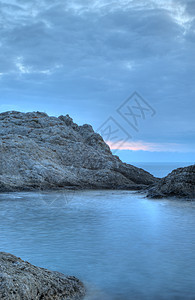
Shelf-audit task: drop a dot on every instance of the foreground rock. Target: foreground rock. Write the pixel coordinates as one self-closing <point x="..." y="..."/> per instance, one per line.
<point x="180" y="182"/>
<point x="41" y="152"/>
<point x="21" y="280"/>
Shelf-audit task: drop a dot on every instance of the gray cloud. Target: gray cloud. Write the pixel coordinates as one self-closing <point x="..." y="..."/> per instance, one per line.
<point x="97" y="52"/>
<point x="59" y="36"/>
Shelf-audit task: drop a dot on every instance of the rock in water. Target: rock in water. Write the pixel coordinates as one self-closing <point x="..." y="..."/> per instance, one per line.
<point x="21" y="280"/>
<point x="180" y="182"/>
<point x="42" y="152"/>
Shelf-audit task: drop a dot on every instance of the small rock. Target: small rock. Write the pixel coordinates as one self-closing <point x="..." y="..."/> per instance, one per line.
<point x="21" y="280"/>
<point x="180" y="182"/>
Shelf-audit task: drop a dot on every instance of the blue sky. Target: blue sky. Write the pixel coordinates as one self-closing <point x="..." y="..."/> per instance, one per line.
<point x="86" y="58"/>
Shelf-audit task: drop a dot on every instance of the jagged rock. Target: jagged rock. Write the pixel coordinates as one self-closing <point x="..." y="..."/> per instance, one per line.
<point x="180" y="182"/>
<point x="21" y="280"/>
<point x="42" y="152"/>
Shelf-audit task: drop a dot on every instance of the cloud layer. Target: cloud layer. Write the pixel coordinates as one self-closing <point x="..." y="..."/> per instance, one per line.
<point x="85" y="57"/>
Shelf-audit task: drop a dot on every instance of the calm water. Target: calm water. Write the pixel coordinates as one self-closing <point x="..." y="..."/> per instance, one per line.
<point x="161" y="169"/>
<point x="122" y="245"/>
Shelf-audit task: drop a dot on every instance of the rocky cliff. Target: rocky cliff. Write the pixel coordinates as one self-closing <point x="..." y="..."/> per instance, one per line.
<point x="180" y="182"/>
<point x="21" y="280"/>
<point x="42" y="152"/>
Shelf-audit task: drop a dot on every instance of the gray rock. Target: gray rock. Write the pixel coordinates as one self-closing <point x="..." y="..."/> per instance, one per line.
<point x="21" y="280"/>
<point x="42" y="152"/>
<point x="180" y="182"/>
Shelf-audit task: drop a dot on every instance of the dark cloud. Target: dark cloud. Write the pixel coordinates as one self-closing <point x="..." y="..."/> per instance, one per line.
<point x="189" y="6"/>
<point x="95" y="54"/>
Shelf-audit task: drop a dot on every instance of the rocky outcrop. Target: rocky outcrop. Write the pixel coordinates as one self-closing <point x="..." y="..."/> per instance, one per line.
<point x="21" y="280"/>
<point x="42" y="152"/>
<point x="180" y="182"/>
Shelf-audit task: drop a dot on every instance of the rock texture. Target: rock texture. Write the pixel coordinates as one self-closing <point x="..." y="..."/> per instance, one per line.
<point x="180" y="182"/>
<point x="21" y="280"/>
<point x="42" y="152"/>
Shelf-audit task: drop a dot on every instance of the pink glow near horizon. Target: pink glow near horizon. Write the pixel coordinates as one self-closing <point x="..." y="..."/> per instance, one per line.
<point x="145" y="146"/>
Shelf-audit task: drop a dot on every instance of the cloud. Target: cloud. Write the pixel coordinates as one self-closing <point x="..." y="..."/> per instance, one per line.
<point x="92" y="54"/>
<point x="73" y="34"/>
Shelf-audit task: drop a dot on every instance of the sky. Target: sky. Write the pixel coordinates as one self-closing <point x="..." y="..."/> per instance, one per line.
<point x="126" y="67"/>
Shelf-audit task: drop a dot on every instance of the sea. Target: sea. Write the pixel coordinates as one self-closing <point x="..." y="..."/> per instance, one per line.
<point x="122" y="245"/>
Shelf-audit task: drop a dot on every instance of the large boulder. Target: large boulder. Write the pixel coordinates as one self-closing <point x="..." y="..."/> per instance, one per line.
<point x="180" y="182"/>
<point x="21" y="280"/>
<point x="42" y="152"/>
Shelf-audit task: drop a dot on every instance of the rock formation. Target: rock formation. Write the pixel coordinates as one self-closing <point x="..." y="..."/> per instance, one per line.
<point x="180" y="182"/>
<point x="21" y="280"/>
<point x="42" y="152"/>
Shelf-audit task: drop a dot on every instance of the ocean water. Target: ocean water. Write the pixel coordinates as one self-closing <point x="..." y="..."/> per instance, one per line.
<point x="122" y="245"/>
<point x="161" y="169"/>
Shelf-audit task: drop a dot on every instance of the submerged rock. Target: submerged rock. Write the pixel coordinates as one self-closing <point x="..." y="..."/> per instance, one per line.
<point x="180" y="182"/>
<point x="21" y="280"/>
<point x="42" y="152"/>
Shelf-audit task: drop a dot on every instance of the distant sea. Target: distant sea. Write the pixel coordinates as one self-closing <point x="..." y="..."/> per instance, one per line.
<point x="160" y="169"/>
